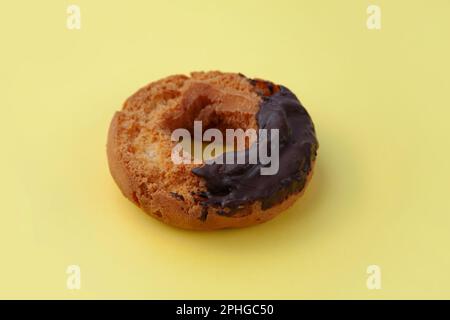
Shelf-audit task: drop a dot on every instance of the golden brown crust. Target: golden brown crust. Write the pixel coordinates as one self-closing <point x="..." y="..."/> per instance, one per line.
<point x="139" y="147"/>
<point x="118" y="171"/>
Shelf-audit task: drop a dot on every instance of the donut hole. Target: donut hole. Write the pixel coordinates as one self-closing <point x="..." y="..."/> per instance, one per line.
<point x="212" y="114"/>
<point x="215" y="108"/>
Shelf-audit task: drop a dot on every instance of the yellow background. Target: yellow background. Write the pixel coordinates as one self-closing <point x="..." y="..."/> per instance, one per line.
<point x="380" y="194"/>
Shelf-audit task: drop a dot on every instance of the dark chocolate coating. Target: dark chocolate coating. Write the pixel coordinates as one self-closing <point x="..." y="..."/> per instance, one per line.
<point x="232" y="186"/>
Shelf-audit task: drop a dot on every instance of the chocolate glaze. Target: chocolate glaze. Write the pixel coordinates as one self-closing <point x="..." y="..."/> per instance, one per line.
<point x="232" y="186"/>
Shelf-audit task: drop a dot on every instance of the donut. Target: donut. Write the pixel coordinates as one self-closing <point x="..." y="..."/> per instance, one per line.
<point x="210" y="195"/>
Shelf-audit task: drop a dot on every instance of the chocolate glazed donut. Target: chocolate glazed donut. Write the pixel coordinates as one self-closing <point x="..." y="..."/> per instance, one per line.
<point x="232" y="186"/>
<point x="210" y="195"/>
